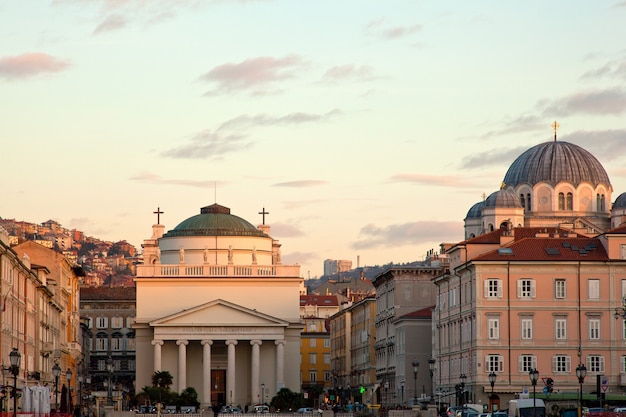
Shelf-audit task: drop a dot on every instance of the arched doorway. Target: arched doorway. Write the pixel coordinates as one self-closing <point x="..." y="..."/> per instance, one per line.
<point x="494" y="402"/>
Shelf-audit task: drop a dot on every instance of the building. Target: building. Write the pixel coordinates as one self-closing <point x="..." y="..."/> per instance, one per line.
<point x="336" y="266"/>
<point x="207" y="309"/>
<point x="537" y="284"/>
<point x="399" y="291"/>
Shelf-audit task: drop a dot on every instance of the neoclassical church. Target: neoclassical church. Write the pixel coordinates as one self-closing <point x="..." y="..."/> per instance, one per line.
<point x="218" y="310"/>
<point x="553" y="184"/>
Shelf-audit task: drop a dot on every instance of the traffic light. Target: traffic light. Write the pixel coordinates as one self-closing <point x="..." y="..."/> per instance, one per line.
<point x="550" y="384"/>
<point x="362" y="389"/>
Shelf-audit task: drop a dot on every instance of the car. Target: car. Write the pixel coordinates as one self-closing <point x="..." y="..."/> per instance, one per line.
<point x="261" y="409"/>
<point x="619" y="410"/>
<point x="304" y="410"/>
<point x="451" y="411"/>
<point x="498" y="414"/>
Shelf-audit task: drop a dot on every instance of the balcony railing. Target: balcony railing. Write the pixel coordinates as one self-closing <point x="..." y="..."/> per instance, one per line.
<point x="217" y="271"/>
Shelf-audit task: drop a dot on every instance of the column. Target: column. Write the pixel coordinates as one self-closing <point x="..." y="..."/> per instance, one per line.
<point x="230" y="372"/>
<point x="157" y="354"/>
<point x="182" y="364"/>
<point x="280" y="364"/>
<point x="205" y="398"/>
<point x="255" y="371"/>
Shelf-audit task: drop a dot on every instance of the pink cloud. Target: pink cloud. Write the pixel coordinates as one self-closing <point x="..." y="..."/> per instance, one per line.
<point x="30" y="65"/>
<point x="110" y="23"/>
<point x="342" y="72"/>
<point x="252" y="72"/>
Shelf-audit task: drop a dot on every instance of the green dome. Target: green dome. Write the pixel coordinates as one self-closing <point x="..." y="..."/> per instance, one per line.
<point x="215" y="220"/>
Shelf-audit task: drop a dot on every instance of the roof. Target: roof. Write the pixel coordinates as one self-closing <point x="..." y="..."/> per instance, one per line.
<point x="556" y="161"/>
<point x="215" y="220"/>
<point x="503" y="199"/>
<point x="319" y="300"/>
<point x="549" y="249"/>
<point x="424" y="313"/>
<point x="620" y="201"/>
<point x="475" y="211"/>
<point x="107" y="293"/>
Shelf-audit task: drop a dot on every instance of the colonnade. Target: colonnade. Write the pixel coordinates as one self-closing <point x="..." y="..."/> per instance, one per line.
<point x="231" y="344"/>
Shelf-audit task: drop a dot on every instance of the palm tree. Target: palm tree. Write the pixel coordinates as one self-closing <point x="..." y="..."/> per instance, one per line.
<point x="162" y="379"/>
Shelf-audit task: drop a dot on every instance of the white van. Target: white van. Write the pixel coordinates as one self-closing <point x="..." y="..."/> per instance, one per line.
<point x="527" y="407"/>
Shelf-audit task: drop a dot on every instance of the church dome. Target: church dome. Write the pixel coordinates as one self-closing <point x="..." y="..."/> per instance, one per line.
<point x="475" y="211"/>
<point x="503" y="199"/>
<point x="556" y="161"/>
<point x="215" y="220"/>
<point x="620" y="202"/>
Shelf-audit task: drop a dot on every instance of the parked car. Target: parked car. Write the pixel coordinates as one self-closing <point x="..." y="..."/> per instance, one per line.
<point x="261" y="409"/>
<point x="304" y="410"/>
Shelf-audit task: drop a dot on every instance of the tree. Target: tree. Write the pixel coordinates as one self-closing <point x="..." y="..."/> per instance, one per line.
<point x="286" y="400"/>
<point x="162" y="379"/>
<point x="189" y="396"/>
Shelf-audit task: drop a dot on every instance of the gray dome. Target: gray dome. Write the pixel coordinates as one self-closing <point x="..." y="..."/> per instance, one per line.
<point x="503" y="199"/>
<point x="620" y="202"/>
<point x="215" y="220"/>
<point x="556" y="161"/>
<point x="475" y="212"/>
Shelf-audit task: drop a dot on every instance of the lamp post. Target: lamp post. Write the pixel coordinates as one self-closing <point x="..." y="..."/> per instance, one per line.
<point x="492" y="380"/>
<point x="262" y="394"/>
<point x="109" y="366"/>
<point x="15" y="358"/>
<point x="581" y="373"/>
<point x="462" y="377"/>
<point x="431" y="370"/>
<point x="56" y="372"/>
<point x="416" y="365"/>
<point x="68" y="375"/>
<point x="534" y="376"/>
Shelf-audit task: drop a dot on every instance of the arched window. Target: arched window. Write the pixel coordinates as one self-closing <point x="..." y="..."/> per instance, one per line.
<point x="117" y="341"/>
<point x="561" y="201"/>
<point x="602" y="207"/>
<point x="528" y="201"/>
<point x="598" y="202"/>
<point x="491" y="227"/>
<point x="570" y="201"/>
<point x="522" y="200"/>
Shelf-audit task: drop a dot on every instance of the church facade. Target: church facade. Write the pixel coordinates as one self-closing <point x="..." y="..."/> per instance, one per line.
<point x="218" y="310"/>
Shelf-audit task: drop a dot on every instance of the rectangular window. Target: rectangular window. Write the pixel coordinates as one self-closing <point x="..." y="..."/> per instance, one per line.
<point x="327" y="358"/>
<point x="560" y="328"/>
<point x="561" y="363"/>
<point x="312" y="376"/>
<point x="526" y="288"/>
<point x="312" y="358"/>
<point x="494" y="363"/>
<point x="624" y="329"/>
<point x="117" y="322"/>
<point x="595" y="363"/>
<point x="312" y="343"/>
<point x="101" y="343"/>
<point x="131" y="364"/>
<point x="116" y="343"/>
<point x="559" y="288"/>
<point x="527" y="328"/>
<point x="493" y="288"/>
<point x="594" y="329"/>
<point x="527" y="363"/>
<point x="101" y="323"/>
<point x="326" y="343"/>
<point x="326" y="375"/>
<point x="493" y="326"/>
<point x="593" y="289"/>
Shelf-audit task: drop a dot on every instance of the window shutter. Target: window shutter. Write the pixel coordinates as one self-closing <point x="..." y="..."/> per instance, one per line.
<point x="534" y="362"/>
<point x="499" y="281"/>
<point x="520" y="363"/>
<point x="533" y="289"/>
<point x="500" y="363"/>
<point x="601" y="363"/>
<point x="554" y="363"/>
<point x="519" y="288"/>
<point x="486" y="288"/>
<point x="487" y="364"/>
<point x="622" y="364"/>
<point x="568" y="364"/>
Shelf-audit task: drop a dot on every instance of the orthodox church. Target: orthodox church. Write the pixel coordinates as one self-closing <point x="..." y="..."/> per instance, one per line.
<point x="553" y="184"/>
<point x="218" y="310"/>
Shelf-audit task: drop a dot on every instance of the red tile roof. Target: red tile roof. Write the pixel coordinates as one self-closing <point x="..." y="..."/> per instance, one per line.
<point x="549" y="249"/>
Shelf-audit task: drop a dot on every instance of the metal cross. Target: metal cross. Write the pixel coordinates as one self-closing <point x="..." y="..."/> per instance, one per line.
<point x="158" y="213"/>
<point x="263" y="212"/>
<point x="555" y="127"/>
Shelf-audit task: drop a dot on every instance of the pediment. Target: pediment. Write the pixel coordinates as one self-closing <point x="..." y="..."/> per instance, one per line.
<point x="219" y="313"/>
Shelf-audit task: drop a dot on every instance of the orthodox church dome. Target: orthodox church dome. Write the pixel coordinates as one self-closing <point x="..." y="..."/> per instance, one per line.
<point x="620" y="202"/>
<point x="215" y="220"/>
<point x="502" y="199"/>
<point x="556" y="161"/>
<point x="475" y="211"/>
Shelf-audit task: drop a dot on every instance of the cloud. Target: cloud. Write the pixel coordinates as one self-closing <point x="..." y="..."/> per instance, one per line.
<point x="382" y="30"/>
<point x="247" y="121"/>
<point x="30" y="65"/>
<point x="151" y="178"/>
<point x="492" y="157"/>
<point x="207" y="144"/>
<point x="299" y="258"/>
<point x="286" y="230"/>
<point x="593" y="102"/>
<point x="525" y="123"/>
<point x="301" y="183"/>
<point x="434" y="180"/>
<point x="606" y="145"/>
<point x="612" y="69"/>
<point x="349" y="71"/>
<point x="252" y="73"/>
<point x="415" y="233"/>
<point x="111" y="23"/>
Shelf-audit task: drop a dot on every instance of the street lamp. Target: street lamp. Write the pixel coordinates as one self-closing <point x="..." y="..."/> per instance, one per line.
<point x="462" y="377"/>
<point x="56" y="372"/>
<point x="68" y="376"/>
<point x="262" y="394"/>
<point x="431" y="370"/>
<point x="534" y="376"/>
<point x="581" y="373"/>
<point x="15" y="358"/>
<point x="492" y="380"/>
<point x="416" y="365"/>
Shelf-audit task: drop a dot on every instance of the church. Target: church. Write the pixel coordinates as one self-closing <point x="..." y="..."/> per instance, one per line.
<point x="218" y="310"/>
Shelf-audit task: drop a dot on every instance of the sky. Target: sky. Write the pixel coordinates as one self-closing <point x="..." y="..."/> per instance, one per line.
<point x="366" y="128"/>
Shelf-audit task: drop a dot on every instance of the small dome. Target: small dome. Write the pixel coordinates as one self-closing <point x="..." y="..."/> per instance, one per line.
<point x="215" y="220"/>
<point x="556" y="161"/>
<point x="503" y="199"/>
<point x="476" y="211"/>
<point x="620" y="202"/>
